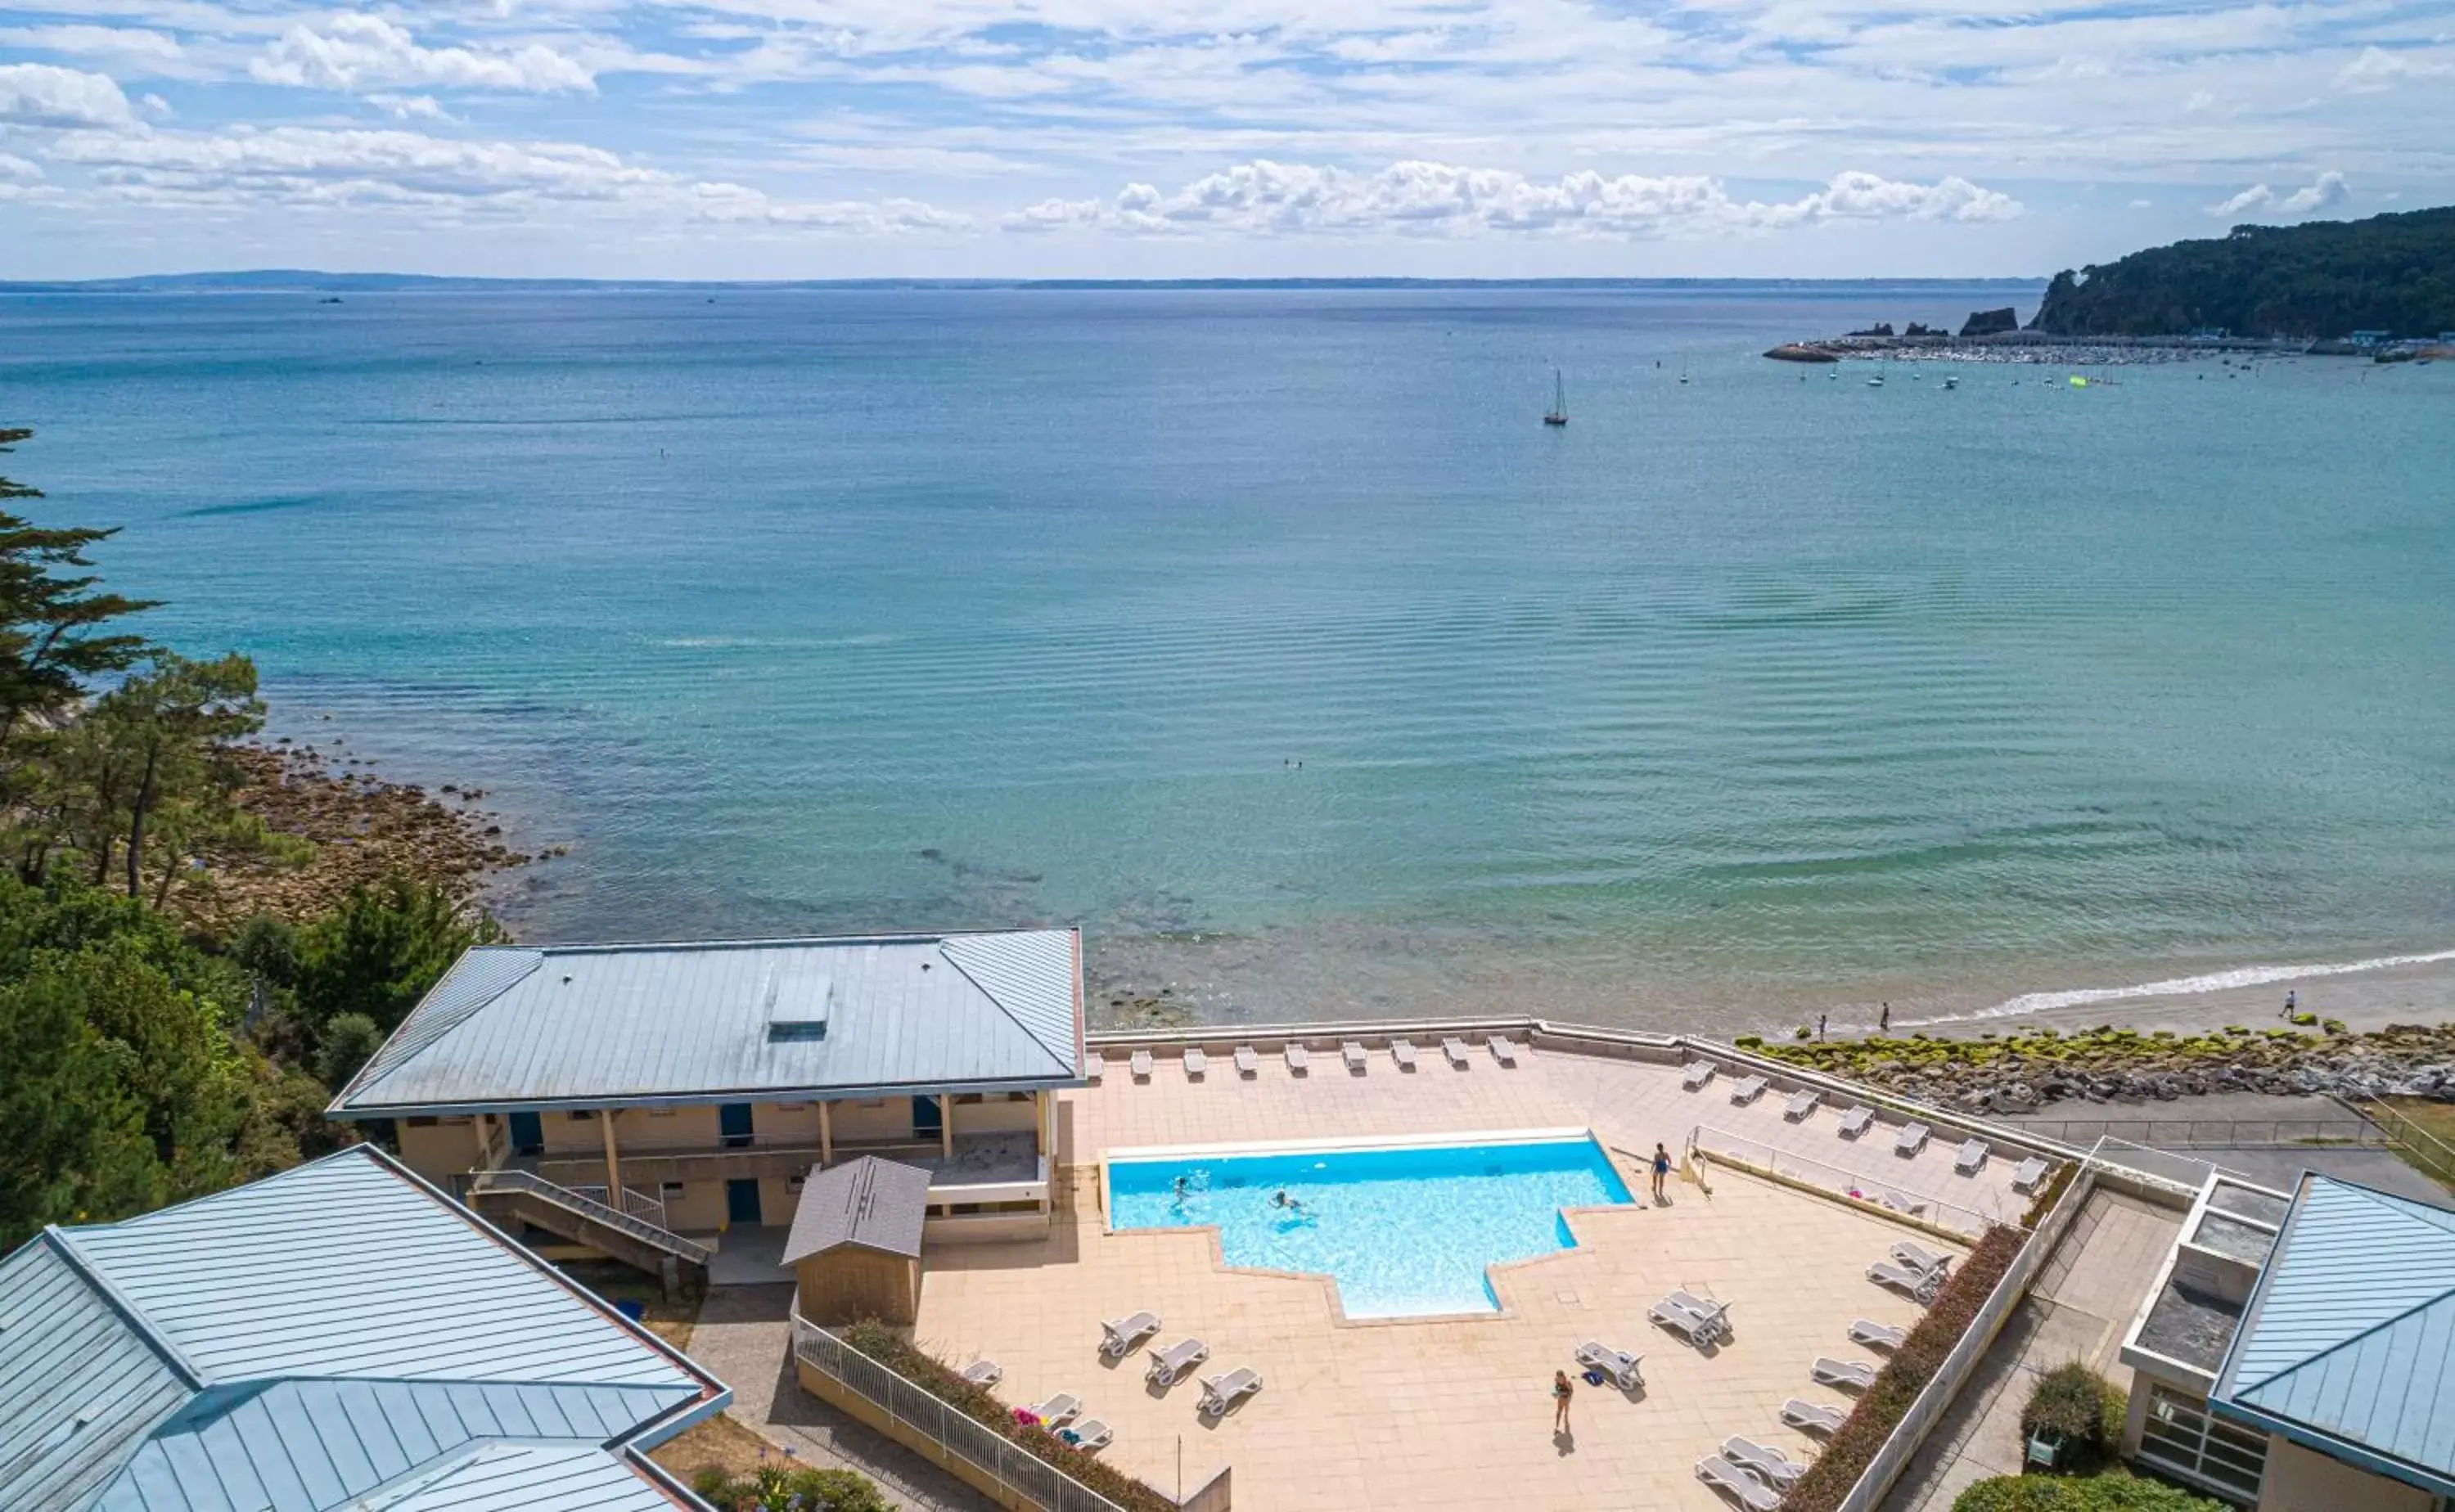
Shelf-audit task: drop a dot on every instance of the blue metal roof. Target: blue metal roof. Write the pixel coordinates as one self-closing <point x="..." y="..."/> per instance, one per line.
<point x="602" y="1025"/>
<point x="2348" y="1343"/>
<point x="340" y="1331"/>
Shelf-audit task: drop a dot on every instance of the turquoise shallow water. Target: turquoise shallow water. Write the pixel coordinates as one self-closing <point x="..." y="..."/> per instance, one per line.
<point x="1402" y="1231"/>
<point x="801" y="611"/>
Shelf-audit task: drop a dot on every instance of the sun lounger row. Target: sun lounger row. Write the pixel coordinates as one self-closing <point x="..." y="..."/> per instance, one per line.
<point x="1913" y="1270"/>
<point x="1625" y="1370"/>
<point x="1299" y="1058"/>
<point x="1875" y="1335"/>
<point x="1857" y="1375"/>
<point x="1737" y="1483"/>
<point x="1058" y="1415"/>
<point x="1698" y="1319"/>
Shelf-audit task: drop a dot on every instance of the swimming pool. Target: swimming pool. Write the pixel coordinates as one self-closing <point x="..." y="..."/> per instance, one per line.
<point x="1403" y="1231"/>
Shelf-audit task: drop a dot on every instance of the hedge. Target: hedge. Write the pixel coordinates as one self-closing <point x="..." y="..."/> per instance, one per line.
<point x="1883" y="1405"/>
<point x="899" y="1354"/>
<point x="773" y="1488"/>
<point x="2115" y="1492"/>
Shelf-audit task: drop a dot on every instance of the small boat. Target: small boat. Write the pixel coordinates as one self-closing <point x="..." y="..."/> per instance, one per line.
<point x="1559" y="411"/>
<point x="1952" y="383"/>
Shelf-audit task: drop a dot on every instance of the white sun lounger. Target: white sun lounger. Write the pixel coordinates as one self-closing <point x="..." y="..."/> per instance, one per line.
<point x="1625" y="1369"/>
<point x="1094" y="1065"/>
<point x="1812" y="1417"/>
<point x="1912" y="1139"/>
<point x="1059" y="1408"/>
<point x="1918" y="1257"/>
<point x="1403" y="1052"/>
<point x="1352" y="1054"/>
<point x="1697" y="1074"/>
<point x="1168" y="1366"/>
<point x="1748" y="1090"/>
<point x="1119" y="1335"/>
<point x="1455" y="1049"/>
<point x="1693" y="1318"/>
<point x="1855" y="1373"/>
<point x="1248" y="1063"/>
<point x="1219" y="1393"/>
<point x="1900" y="1203"/>
<point x="1142" y="1064"/>
<point x="1920" y="1284"/>
<point x="1742" y="1487"/>
<point x="1196" y="1063"/>
<point x="2026" y="1175"/>
<point x="1089" y="1435"/>
<point x="1764" y="1460"/>
<point x="983" y="1373"/>
<point x="1970" y="1157"/>
<point x="1856" y="1122"/>
<point x="1802" y="1102"/>
<point x="1502" y="1050"/>
<point x="1875" y="1335"/>
<point x="1297" y="1060"/>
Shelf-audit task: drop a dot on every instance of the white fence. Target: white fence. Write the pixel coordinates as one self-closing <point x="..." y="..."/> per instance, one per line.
<point x="1883" y="1189"/>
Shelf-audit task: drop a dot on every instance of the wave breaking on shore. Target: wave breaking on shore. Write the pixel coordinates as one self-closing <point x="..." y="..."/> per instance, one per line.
<point x="2036" y="1002"/>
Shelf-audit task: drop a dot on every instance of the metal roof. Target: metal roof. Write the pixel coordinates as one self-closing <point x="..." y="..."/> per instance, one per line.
<point x="2349" y="1343"/>
<point x="878" y="1204"/>
<point x="604" y="1025"/>
<point x="335" y="1332"/>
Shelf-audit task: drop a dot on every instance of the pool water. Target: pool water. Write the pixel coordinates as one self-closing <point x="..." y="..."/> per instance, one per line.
<point x="1403" y="1232"/>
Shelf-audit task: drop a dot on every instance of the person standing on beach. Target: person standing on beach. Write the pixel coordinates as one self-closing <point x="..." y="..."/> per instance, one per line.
<point x="2292" y="1002"/>
<point x="1561" y="1392"/>
<point x="1661" y="1168"/>
<point x="1819" y="1026"/>
<point x="1884" y="1024"/>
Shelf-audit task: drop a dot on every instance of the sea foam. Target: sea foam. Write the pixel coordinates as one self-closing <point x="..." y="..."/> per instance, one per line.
<point x="2212" y="982"/>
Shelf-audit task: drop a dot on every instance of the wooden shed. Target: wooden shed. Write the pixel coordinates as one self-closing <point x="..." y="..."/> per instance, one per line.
<point x="855" y="1247"/>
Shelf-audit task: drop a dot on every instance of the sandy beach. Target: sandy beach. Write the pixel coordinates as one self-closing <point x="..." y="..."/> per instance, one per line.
<point x="2416" y="992"/>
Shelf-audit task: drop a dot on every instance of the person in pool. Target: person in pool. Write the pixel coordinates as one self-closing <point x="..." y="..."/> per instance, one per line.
<point x="1280" y="1198"/>
<point x="1182" y="1187"/>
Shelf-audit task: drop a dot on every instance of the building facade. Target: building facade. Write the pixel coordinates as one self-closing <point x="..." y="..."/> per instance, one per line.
<point x="704" y="1082"/>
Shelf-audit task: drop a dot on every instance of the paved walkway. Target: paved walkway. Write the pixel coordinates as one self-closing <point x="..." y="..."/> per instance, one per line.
<point x="2079" y="1309"/>
<point x="743" y="1335"/>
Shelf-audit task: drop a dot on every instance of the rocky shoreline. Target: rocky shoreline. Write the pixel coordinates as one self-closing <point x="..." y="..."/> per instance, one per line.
<point x="356" y="827"/>
<point x="2021" y="1073"/>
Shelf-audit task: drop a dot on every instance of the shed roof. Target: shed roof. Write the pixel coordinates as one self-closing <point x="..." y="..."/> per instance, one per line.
<point x="335" y="1332"/>
<point x="607" y="1025"/>
<point x="875" y="1203"/>
<point x="2349" y="1343"/>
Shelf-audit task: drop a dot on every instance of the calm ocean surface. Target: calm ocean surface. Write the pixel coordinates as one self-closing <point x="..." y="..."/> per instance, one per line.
<point x="1735" y="700"/>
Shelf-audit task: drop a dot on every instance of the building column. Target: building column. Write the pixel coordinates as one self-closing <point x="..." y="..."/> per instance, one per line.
<point x="946" y="1124"/>
<point x="1044" y="1117"/>
<point x="612" y="1162"/>
<point x="826" y="1134"/>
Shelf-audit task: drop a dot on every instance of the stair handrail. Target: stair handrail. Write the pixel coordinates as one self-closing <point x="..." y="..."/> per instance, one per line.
<point x="590" y="1208"/>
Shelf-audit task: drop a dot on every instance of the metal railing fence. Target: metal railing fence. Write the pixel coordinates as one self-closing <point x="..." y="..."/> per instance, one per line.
<point x="916" y="1409"/>
<point x="590" y="1208"/>
<point x="1867" y="1186"/>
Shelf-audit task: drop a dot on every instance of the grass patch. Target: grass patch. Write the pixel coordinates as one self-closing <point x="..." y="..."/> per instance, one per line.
<point x="721" y="1444"/>
<point x="1829" y="1480"/>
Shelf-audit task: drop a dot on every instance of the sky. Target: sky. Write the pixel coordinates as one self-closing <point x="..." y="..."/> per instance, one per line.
<point x="1199" y="138"/>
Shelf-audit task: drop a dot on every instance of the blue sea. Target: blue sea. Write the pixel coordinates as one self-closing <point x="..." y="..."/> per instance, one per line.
<point x="1271" y="636"/>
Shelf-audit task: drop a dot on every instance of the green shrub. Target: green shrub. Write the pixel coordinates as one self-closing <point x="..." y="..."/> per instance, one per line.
<point x="2070" y="1400"/>
<point x="774" y="1488"/>
<point x="2112" y="1492"/>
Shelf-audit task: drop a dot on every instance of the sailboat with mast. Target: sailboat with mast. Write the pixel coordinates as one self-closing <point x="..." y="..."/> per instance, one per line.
<point x="1558" y="414"/>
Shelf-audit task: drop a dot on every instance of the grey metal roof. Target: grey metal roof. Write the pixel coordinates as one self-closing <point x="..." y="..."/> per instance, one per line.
<point x="875" y="1203"/>
<point x="2349" y="1343"/>
<point x="596" y="1025"/>
<point x="335" y="1332"/>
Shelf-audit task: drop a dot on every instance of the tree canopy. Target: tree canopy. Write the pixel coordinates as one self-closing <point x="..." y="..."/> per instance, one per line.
<point x="2394" y="274"/>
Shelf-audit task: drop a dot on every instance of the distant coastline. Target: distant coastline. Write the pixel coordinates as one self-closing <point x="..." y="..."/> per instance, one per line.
<point x="290" y="280"/>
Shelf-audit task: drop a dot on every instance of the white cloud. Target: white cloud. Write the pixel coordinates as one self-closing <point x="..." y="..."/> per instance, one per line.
<point x="2377" y="69"/>
<point x="110" y="42"/>
<point x="38" y="94"/>
<point x="363" y="51"/>
<point x="17" y="169"/>
<point x="2324" y="192"/>
<point x="411" y="107"/>
<point x="1442" y="199"/>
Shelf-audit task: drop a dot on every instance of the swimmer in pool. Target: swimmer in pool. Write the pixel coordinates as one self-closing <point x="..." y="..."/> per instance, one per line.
<point x="1280" y="1198"/>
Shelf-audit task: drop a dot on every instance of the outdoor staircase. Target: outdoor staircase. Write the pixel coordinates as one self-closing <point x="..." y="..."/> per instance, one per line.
<point x="511" y="1199"/>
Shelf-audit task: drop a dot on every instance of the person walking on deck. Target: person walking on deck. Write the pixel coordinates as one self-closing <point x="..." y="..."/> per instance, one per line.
<point x="1661" y="1168"/>
<point x="1561" y="1392"/>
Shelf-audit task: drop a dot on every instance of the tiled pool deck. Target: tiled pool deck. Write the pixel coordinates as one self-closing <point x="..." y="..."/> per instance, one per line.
<point x="1447" y="1413"/>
